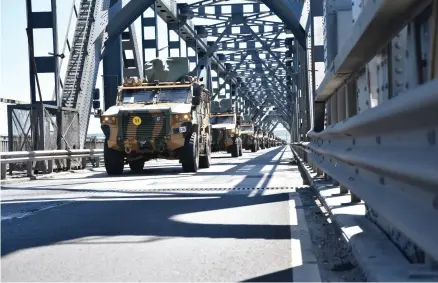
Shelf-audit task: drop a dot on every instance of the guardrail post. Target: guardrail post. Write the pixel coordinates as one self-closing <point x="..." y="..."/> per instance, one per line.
<point x="69" y="162"/>
<point x="320" y="172"/>
<point x="29" y="170"/>
<point x="3" y="172"/>
<point x="49" y="166"/>
<point x="355" y="198"/>
<point x="343" y="190"/>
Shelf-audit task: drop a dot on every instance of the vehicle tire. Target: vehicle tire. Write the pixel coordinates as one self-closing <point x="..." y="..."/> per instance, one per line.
<point x="113" y="159"/>
<point x="234" y="150"/>
<point x="190" y="154"/>
<point x="136" y="166"/>
<point x="205" y="161"/>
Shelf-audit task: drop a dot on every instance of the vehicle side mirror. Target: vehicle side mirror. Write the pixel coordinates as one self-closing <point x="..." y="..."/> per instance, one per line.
<point x="196" y="100"/>
<point x="238" y="120"/>
<point x="196" y="90"/>
<point x="96" y="104"/>
<point x="96" y="94"/>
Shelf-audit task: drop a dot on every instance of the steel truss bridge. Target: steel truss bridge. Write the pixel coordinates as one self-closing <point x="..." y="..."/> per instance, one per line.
<point x="354" y="82"/>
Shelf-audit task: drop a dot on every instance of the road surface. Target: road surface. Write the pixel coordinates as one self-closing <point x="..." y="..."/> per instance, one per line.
<point x="239" y="220"/>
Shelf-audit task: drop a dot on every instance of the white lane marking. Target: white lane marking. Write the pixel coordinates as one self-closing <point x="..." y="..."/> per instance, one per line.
<point x="303" y="261"/>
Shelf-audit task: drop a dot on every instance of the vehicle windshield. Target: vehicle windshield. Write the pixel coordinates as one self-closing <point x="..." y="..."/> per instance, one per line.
<point x="137" y="96"/>
<point x="246" y="128"/>
<point x="178" y="95"/>
<point x="222" y="120"/>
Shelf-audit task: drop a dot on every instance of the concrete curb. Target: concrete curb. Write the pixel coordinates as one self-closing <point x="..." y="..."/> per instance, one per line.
<point x="379" y="259"/>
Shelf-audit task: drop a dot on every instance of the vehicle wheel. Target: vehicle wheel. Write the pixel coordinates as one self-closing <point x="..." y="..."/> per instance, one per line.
<point x="136" y="166"/>
<point x="234" y="150"/>
<point x="114" y="160"/>
<point x="205" y="161"/>
<point x="190" y="154"/>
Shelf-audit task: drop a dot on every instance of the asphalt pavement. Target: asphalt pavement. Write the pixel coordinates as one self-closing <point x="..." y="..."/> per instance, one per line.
<point x="239" y="220"/>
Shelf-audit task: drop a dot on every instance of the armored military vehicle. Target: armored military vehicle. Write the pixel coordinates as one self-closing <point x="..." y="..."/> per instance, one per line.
<point x="259" y="134"/>
<point x="265" y="139"/>
<point x="225" y="125"/>
<point x="248" y="134"/>
<point x="164" y="116"/>
<point x="271" y="140"/>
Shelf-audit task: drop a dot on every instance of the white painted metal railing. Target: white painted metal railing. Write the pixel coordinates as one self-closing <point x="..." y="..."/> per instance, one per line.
<point x="388" y="157"/>
<point x="29" y="157"/>
<point x="379" y="138"/>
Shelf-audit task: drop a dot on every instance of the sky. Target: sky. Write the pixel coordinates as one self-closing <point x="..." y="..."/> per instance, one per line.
<point x="14" y="77"/>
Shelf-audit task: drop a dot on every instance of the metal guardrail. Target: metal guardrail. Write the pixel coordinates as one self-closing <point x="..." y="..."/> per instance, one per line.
<point x="90" y="142"/>
<point x="388" y="157"/>
<point x="29" y="157"/>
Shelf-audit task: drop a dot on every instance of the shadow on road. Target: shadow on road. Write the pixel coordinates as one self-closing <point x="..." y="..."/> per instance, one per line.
<point x="142" y="216"/>
<point x="150" y="214"/>
<point x="285" y="275"/>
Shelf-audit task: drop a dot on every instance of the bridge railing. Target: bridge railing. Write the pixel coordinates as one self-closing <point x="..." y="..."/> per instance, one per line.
<point x="376" y="123"/>
<point x="388" y="157"/>
<point x="90" y="142"/>
<point x="29" y="158"/>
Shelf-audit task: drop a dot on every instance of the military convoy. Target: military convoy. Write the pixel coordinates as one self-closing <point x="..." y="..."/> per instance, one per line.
<point x="169" y="115"/>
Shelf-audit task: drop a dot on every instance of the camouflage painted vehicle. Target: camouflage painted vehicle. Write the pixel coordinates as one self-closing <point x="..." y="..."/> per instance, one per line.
<point x="271" y="141"/>
<point x="265" y="139"/>
<point x="259" y="135"/>
<point x="249" y="137"/>
<point x="166" y="119"/>
<point x="226" y="131"/>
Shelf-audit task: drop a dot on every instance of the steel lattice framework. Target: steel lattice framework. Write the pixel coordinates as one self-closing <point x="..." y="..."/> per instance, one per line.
<point x="253" y="52"/>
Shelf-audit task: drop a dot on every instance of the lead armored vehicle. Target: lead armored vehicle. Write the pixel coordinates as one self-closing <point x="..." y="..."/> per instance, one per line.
<point x="164" y="116"/>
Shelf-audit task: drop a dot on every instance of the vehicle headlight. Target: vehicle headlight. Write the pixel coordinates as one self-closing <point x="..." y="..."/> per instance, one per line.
<point x="109" y="120"/>
<point x="183" y="117"/>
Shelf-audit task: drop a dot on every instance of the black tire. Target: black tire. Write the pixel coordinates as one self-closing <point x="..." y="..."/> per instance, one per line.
<point x="190" y="154"/>
<point x="136" y="166"/>
<point x="114" y="160"/>
<point x="205" y="161"/>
